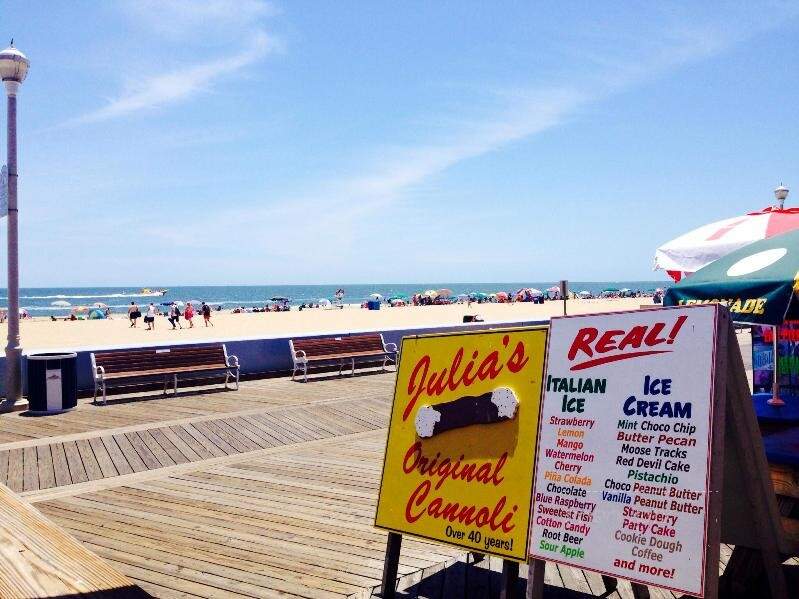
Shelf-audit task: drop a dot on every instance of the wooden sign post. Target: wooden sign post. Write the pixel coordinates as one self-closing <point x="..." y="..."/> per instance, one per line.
<point x="649" y="453"/>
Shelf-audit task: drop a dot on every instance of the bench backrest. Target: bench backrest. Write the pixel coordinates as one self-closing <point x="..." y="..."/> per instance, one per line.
<point x="340" y="345"/>
<point x="158" y="358"/>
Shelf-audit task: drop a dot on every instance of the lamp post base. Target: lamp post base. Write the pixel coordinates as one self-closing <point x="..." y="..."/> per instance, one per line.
<point x="776" y="401"/>
<point x="13" y="390"/>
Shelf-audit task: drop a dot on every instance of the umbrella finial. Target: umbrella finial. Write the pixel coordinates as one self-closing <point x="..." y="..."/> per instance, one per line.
<point x="780" y="194"/>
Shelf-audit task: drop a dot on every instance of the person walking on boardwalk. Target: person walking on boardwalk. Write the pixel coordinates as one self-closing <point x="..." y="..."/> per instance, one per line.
<point x="149" y="320"/>
<point x="174" y="316"/>
<point x="206" y="310"/>
<point x="188" y="314"/>
<point x="134" y="313"/>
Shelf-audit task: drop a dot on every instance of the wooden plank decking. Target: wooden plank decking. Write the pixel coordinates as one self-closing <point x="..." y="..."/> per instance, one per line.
<point x="266" y="492"/>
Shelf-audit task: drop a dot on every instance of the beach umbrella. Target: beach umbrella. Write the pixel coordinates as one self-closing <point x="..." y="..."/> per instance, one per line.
<point x="278" y="299"/>
<point x="398" y="296"/>
<point x="324" y="303"/>
<point x="80" y="310"/>
<point x="478" y="295"/>
<point x="693" y="250"/>
<point x="553" y="289"/>
<point x="96" y="314"/>
<point x="535" y="292"/>
<point x="758" y="283"/>
<point x="584" y="294"/>
<point x="376" y="297"/>
<point x="444" y="292"/>
<point x="60" y="304"/>
<point x="502" y="296"/>
<point x="99" y="305"/>
<point x="430" y="293"/>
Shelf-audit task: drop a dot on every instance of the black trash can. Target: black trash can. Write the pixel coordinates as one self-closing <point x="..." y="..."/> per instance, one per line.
<point x="52" y="382"/>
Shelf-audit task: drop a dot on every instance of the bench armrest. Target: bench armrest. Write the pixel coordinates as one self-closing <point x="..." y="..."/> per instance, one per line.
<point x="299" y="355"/>
<point x="99" y="372"/>
<point x="232" y="362"/>
<point x="391" y="347"/>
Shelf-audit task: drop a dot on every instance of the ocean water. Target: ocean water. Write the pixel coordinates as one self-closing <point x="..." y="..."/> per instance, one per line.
<point x="38" y="301"/>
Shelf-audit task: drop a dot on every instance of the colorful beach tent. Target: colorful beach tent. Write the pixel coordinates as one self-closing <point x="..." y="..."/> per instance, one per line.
<point x="96" y="314"/>
<point x="698" y="248"/>
<point x="757" y="282"/>
<point x="376" y="297"/>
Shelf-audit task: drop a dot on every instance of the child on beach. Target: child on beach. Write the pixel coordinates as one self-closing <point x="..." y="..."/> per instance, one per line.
<point x="206" y="310"/>
<point x="188" y="314"/>
<point x="149" y="320"/>
<point x="134" y="314"/>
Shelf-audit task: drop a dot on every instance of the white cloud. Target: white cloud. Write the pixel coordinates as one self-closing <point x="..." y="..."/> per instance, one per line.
<point x="180" y="85"/>
<point x="333" y="216"/>
<point x="181" y="19"/>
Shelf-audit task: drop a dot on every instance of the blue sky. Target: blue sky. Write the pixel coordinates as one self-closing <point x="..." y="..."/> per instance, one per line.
<point x="239" y="141"/>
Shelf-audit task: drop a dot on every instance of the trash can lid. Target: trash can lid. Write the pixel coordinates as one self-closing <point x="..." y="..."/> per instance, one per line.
<point x="52" y="356"/>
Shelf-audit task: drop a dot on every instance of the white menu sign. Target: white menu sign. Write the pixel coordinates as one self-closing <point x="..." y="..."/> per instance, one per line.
<point x="621" y="481"/>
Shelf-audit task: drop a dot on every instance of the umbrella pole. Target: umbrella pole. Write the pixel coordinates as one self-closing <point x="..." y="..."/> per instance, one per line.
<point x="776" y="400"/>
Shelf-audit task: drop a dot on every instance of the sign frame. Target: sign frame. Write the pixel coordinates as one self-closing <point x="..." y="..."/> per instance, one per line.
<point x="736" y="460"/>
<point x="542" y="330"/>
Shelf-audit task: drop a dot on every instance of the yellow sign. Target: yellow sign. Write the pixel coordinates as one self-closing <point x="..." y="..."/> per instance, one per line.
<point x="462" y="439"/>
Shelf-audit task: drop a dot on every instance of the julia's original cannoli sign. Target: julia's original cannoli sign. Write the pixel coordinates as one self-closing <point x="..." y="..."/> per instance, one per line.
<point x="461" y="443"/>
<point x="621" y="484"/>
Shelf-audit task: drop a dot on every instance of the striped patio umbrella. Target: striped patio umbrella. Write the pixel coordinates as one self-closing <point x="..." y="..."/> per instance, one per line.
<point x="758" y="283"/>
<point x="698" y="248"/>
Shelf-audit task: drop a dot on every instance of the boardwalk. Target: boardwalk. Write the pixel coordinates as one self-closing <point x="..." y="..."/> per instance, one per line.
<point x="265" y="492"/>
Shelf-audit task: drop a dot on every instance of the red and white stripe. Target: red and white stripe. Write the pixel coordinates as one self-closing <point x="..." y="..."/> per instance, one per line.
<point x="690" y="252"/>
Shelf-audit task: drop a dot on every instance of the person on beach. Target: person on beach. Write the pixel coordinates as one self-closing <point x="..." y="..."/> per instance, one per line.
<point x="149" y="320"/>
<point x="134" y="314"/>
<point x="188" y="314"/>
<point x="206" y="310"/>
<point x="174" y="316"/>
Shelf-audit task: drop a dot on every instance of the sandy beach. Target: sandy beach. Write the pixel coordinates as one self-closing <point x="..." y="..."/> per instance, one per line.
<point x="38" y="334"/>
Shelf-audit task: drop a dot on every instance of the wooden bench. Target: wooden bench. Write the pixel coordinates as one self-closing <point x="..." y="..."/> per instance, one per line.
<point x="128" y="366"/>
<point x="39" y="559"/>
<point x="362" y="348"/>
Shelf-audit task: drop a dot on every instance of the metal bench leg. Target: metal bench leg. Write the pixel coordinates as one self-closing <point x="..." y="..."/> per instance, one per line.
<point x="166" y="382"/>
<point x="353" y="367"/>
<point x="94" y="399"/>
<point x="238" y="372"/>
<point x="104" y="397"/>
<point x="227" y="376"/>
<point x="305" y="372"/>
<point x="175" y="387"/>
<point x="294" y="372"/>
<point x="385" y="361"/>
<point x="340" y="366"/>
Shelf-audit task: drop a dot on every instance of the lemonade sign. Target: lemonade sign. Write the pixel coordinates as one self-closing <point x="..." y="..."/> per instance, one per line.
<point x="461" y="444"/>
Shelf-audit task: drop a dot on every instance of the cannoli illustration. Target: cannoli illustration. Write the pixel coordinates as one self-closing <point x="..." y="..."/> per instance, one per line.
<point x="488" y="408"/>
